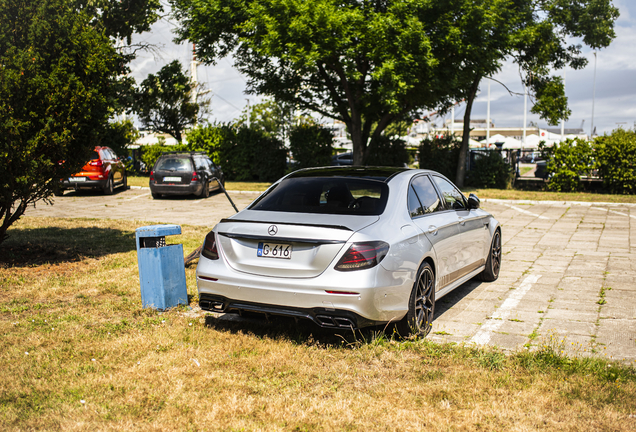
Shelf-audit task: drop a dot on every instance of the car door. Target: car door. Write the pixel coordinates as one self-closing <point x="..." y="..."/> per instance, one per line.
<point x="215" y="173"/>
<point x="439" y="225"/>
<point x="203" y="169"/>
<point x="471" y="226"/>
<point x="116" y="166"/>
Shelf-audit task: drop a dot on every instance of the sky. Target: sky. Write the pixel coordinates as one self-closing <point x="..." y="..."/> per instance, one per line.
<point x="614" y="101"/>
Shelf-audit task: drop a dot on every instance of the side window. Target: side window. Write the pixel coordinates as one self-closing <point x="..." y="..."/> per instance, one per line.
<point x="427" y="194"/>
<point x="415" y="207"/>
<point x="454" y="198"/>
<point x="113" y="156"/>
<point x="200" y="163"/>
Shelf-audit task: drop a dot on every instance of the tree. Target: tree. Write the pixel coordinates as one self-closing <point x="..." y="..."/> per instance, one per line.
<point x="366" y="63"/>
<point x="537" y="35"/>
<point x="61" y="80"/>
<point x="164" y="101"/>
<point x="57" y="75"/>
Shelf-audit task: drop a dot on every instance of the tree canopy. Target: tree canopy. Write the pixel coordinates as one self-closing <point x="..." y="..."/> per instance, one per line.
<point x="60" y="83"/>
<point x="164" y="101"/>
<point x="540" y="36"/>
<point x="372" y="63"/>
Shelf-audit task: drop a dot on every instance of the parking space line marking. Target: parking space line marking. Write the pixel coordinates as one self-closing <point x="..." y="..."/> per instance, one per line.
<point x="483" y="336"/>
<point x="138" y="196"/>
<point x="613" y="211"/>
<point x="525" y="211"/>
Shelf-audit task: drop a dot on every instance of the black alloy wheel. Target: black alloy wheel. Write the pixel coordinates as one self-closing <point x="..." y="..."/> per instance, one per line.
<point x="206" y="190"/>
<point x="493" y="262"/>
<point x="419" y="318"/>
<point x="108" y="189"/>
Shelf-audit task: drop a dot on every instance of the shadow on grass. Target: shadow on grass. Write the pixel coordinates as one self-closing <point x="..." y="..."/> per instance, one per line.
<point x="35" y="246"/>
<point x="300" y="331"/>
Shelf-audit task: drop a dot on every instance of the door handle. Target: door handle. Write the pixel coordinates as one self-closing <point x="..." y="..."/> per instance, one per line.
<point x="432" y="229"/>
<point x="461" y="221"/>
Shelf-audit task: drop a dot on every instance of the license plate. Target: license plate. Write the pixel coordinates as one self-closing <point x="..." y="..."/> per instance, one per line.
<point x="172" y="179"/>
<point x="77" y="179"/>
<point x="274" y="250"/>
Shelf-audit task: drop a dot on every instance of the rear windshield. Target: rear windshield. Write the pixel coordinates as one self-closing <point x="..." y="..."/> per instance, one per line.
<point x="326" y="195"/>
<point x="174" y="164"/>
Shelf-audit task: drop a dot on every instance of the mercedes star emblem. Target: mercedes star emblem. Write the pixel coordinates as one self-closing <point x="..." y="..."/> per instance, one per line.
<point x="272" y="230"/>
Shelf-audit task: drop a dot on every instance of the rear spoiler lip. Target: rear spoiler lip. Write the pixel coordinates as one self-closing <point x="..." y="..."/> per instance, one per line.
<point x="280" y="239"/>
<point x="340" y="227"/>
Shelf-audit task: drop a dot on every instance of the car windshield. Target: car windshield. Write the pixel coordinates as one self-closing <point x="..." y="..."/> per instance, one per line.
<point x="174" y="164"/>
<point x="326" y="195"/>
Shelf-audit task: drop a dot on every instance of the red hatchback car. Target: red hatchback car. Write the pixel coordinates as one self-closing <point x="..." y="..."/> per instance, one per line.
<point x="104" y="171"/>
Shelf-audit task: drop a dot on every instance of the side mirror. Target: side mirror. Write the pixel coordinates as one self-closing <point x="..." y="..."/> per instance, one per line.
<point x="473" y="201"/>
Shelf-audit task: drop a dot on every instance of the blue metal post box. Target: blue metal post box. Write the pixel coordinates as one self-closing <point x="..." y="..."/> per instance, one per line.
<point x="161" y="269"/>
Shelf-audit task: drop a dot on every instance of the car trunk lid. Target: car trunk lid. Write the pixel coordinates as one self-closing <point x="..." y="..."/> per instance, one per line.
<point x="277" y="244"/>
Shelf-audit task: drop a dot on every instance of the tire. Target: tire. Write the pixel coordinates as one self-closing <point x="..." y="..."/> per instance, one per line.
<point x="421" y="308"/>
<point x="155" y="195"/>
<point x="58" y="192"/>
<point x="108" y="189"/>
<point x="493" y="262"/>
<point x="124" y="183"/>
<point x="206" y="190"/>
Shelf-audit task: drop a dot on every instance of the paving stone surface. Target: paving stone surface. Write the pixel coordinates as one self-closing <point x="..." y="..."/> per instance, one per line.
<point x="568" y="273"/>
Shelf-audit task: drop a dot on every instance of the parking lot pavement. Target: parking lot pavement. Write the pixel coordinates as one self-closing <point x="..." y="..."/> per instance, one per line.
<point x="568" y="271"/>
<point x="568" y="279"/>
<point x="138" y="205"/>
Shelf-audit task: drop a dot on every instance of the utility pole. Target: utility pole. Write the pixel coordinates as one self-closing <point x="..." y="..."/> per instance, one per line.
<point x="563" y="119"/>
<point x="453" y="120"/>
<point x="593" y="97"/>
<point x="488" y="117"/>
<point x="525" y="112"/>
<point x="248" y="113"/>
<point x="193" y="74"/>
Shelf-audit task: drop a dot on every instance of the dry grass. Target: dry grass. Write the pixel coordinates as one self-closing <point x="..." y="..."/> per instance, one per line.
<point x="73" y="305"/>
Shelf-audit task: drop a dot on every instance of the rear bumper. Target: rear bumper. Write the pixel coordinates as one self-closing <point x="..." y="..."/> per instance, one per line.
<point x="175" y="189"/>
<point x="368" y="297"/>
<point x="323" y="317"/>
<point x="88" y="184"/>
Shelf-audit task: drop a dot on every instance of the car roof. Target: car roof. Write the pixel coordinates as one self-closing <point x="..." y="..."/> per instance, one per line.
<point x="383" y="174"/>
<point x="184" y="153"/>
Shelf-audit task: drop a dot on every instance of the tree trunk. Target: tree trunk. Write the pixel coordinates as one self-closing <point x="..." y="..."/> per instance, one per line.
<point x="463" y="150"/>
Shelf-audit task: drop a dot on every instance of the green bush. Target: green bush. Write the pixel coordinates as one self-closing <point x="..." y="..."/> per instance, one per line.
<point x="311" y="145"/>
<point x="249" y="154"/>
<point x="616" y="160"/>
<point x="386" y="152"/>
<point x="566" y="162"/>
<point x="441" y="155"/>
<point x="150" y="154"/>
<point x="208" y="139"/>
<point x="491" y="171"/>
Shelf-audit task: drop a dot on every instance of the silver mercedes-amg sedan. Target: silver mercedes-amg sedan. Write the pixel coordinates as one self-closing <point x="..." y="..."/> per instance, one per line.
<point x="350" y="247"/>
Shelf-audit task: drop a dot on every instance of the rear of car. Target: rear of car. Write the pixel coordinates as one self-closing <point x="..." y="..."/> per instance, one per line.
<point x="306" y="249"/>
<point x="103" y="171"/>
<point x="184" y="174"/>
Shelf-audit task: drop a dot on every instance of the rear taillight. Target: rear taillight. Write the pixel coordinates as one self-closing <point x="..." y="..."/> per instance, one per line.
<point x="362" y="256"/>
<point x="195" y="177"/>
<point x="152" y="176"/>
<point x="96" y="162"/>
<point x="209" y="247"/>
